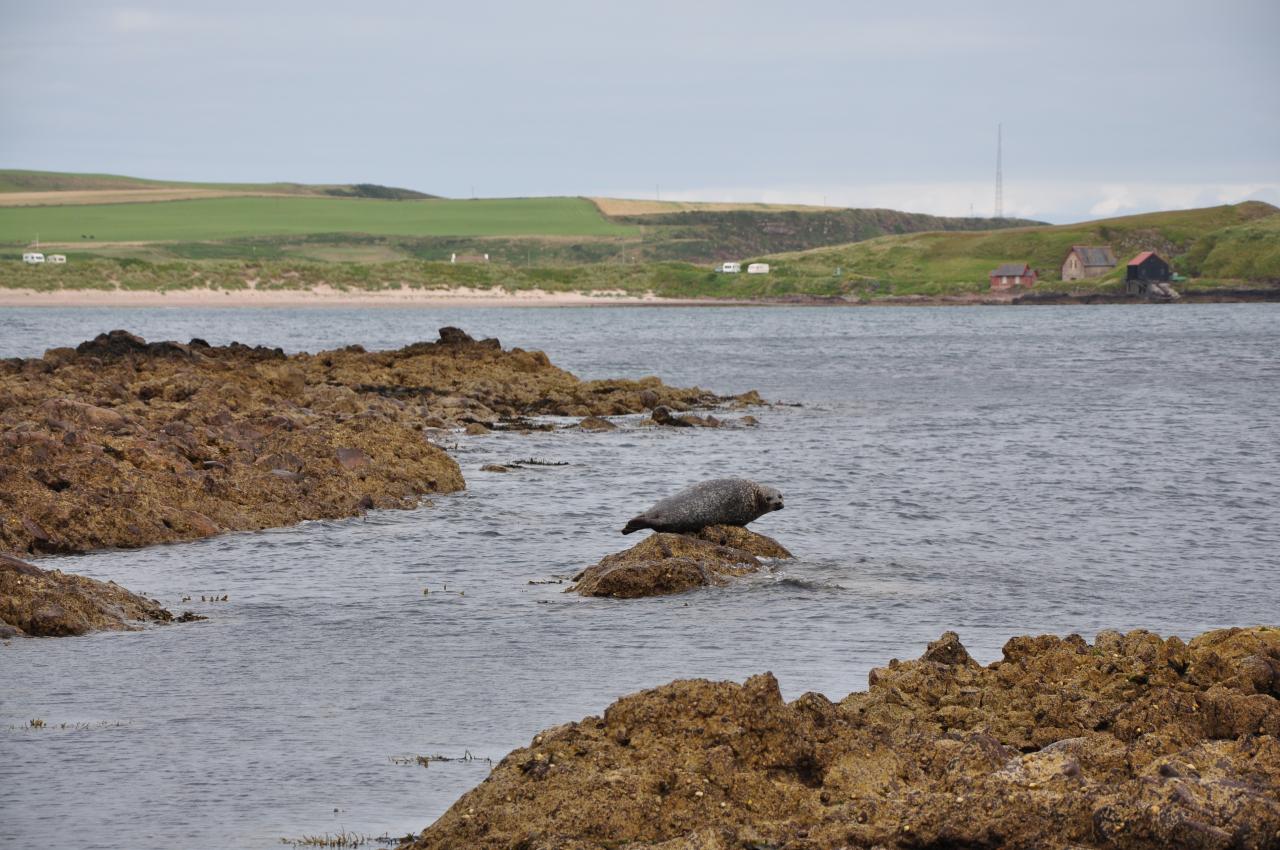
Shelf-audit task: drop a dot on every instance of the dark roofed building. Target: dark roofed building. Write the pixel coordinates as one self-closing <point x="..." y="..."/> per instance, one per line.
<point x="1009" y="275"/>
<point x="1144" y="270"/>
<point x="1085" y="261"/>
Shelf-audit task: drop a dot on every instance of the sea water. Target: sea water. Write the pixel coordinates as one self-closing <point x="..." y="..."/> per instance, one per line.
<point x="996" y="471"/>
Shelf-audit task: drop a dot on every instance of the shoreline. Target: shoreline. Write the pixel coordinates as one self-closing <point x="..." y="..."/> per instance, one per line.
<point x="327" y="296"/>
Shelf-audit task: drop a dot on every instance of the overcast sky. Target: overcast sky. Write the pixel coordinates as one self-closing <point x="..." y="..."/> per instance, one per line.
<point x="1108" y="107"/>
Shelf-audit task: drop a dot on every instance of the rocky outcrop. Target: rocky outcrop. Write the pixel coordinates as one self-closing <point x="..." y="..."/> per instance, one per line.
<point x="1131" y="742"/>
<point x="121" y="442"/>
<point x="51" y="603"/>
<point x="663" y="564"/>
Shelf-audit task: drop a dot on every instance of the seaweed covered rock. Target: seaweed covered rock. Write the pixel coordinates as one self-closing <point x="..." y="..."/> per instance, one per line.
<point x="663" y="564"/>
<point x="121" y="442"/>
<point x="51" y="603"/>
<point x="1132" y="742"/>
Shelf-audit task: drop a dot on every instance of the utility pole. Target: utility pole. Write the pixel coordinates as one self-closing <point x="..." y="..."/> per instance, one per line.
<point x="999" y="171"/>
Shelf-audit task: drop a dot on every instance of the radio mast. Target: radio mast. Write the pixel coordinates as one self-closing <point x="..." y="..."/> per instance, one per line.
<point x="999" y="171"/>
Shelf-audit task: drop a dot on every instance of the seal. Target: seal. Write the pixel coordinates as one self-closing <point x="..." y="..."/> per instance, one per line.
<point x="721" y="501"/>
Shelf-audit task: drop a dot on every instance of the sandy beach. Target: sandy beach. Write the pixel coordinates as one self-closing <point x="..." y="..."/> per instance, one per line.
<point x="329" y="296"/>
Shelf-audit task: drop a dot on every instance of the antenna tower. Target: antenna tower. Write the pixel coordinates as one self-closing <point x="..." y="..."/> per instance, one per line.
<point x="999" y="171"/>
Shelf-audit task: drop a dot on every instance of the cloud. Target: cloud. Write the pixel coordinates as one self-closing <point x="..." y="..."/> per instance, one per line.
<point x="137" y="20"/>
<point x="133" y="20"/>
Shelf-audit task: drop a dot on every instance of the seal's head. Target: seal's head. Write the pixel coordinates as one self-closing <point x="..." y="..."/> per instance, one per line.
<point x="768" y="499"/>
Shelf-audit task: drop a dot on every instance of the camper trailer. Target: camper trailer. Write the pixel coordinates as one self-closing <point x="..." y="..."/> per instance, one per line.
<point x="57" y="259"/>
<point x="758" y="268"/>
<point x="33" y="257"/>
<point x="729" y="268"/>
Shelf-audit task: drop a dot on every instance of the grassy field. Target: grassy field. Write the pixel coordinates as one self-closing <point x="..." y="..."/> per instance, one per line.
<point x="297" y="240"/>
<point x="110" y="216"/>
<point x="230" y="218"/>
<point x="1240" y="241"/>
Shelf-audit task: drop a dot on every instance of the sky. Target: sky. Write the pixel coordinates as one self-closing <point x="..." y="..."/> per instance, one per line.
<point x="1107" y="108"/>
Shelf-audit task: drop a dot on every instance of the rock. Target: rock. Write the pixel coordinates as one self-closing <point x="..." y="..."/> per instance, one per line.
<point x="663" y="564"/>
<point x="495" y="467"/>
<point x="455" y="336"/>
<point x="353" y="459"/>
<point x="50" y="603"/>
<point x="596" y="423"/>
<point x="937" y="753"/>
<point x="662" y="416"/>
<point x="113" y="344"/>
<point x="458" y="337"/>
<point x="738" y="537"/>
<point x="475" y="429"/>
<point x="948" y="650"/>
<point x="59" y="410"/>
<point x="124" y="442"/>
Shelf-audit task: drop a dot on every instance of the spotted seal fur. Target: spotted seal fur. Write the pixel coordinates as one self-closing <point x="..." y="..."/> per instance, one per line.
<point x="721" y="501"/>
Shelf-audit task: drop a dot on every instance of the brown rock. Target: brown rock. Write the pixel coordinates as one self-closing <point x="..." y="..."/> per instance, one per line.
<point x="495" y="467"/>
<point x="475" y="429"/>
<point x="596" y="423"/>
<point x="737" y="537"/>
<point x="663" y="564"/>
<point x="662" y="416"/>
<point x="353" y="459"/>
<point x="935" y="754"/>
<point x="125" y="443"/>
<point x="50" y="603"/>
<point x="59" y="410"/>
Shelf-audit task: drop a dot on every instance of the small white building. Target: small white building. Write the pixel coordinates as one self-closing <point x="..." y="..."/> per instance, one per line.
<point x="33" y="258"/>
<point x="57" y="259"/>
<point x="729" y="268"/>
<point x="758" y="268"/>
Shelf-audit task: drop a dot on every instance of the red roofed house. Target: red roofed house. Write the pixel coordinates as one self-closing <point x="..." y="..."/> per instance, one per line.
<point x="1143" y="270"/>
<point x="1009" y="275"/>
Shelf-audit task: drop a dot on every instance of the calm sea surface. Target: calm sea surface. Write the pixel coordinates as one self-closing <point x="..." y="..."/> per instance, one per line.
<point x="997" y="471"/>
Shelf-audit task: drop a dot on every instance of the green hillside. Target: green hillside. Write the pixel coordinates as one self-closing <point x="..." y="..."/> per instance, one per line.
<point x="1247" y="251"/>
<point x="709" y="235"/>
<point x="1239" y="241"/>
<point x="230" y="218"/>
<point x="104" y="215"/>
<point x="14" y="180"/>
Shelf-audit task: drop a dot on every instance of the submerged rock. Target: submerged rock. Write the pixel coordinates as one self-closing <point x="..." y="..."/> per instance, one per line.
<point x="51" y="603"/>
<point x="1134" y="743"/>
<point x="596" y="423"/>
<point x="663" y="416"/>
<point x="663" y="564"/>
<point x="123" y="443"/>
